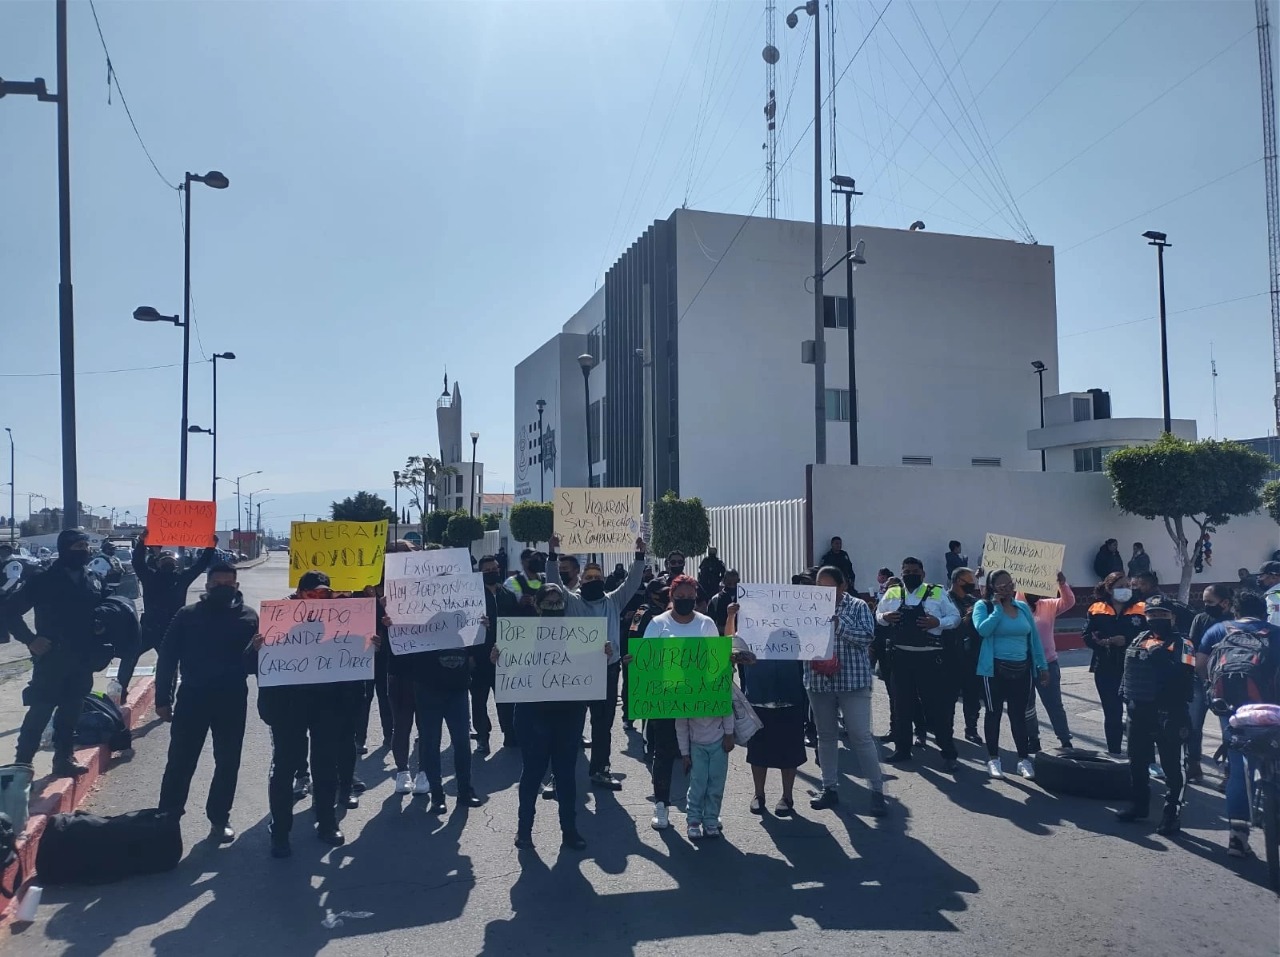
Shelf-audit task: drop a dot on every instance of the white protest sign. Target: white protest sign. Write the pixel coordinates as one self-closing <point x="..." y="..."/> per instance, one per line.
<point x="429" y="564"/>
<point x="786" y="622"/>
<point x="597" y="519"/>
<point x="316" y="641"/>
<point x="431" y="614"/>
<point x="1033" y="565"/>
<point x="551" y="659"/>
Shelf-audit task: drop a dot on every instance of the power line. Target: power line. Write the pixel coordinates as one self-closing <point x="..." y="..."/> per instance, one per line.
<point x="46" y="375"/>
<point x="1174" y="312"/>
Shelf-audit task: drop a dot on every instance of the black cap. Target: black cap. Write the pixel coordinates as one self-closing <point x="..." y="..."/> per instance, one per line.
<point x="1161" y="602"/>
<point x="69" y="537"/>
<point x="312" y="580"/>
<point x="1270" y="568"/>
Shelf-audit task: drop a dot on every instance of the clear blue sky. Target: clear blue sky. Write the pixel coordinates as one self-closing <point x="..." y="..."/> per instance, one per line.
<point x="416" y="185"/>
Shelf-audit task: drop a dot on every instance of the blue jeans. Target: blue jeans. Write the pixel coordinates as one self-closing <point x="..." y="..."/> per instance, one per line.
<point x="1237" y="793"/>
<point x="1051" y="697"/>
<point x="451" y="708"/>
<point x="549" y="734"/>
<point x="706" y="783"/>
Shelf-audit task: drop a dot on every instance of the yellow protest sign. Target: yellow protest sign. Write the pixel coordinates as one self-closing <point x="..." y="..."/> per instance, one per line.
<point x="350" y="553"/>
<point x="597" y="519"/>
<point x="1033" y="565"/>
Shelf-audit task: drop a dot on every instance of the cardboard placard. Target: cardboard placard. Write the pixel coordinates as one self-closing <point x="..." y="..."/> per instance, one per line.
<point x="551" y="659"/>
<point x="429" y="564"/>
<point x="597" y="519"/>
<point x="680" y="678"/>
<point x="316" y="642"/>
<point x="431" y="614"/>
<point x="1033" y="565"/>
<point x="786" y="622"/>
<point x="183" y="524"/>
<point x="350" y="553"/>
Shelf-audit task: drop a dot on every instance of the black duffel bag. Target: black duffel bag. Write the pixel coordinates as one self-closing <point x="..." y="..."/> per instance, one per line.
<point x="85" y="848"/>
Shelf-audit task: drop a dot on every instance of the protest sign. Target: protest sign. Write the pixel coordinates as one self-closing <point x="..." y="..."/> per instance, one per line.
<point x="597" y="519"/>
<point x="1033" y="565"/>
<point x="188" y="524"/>
<point x="551" y="659"/>
<point x="316" y="641"/>
<point x="441" y="561"/>
<point x="350" y="553"/>
<point x="430" y="614"/>
<point x="679" y="678"/>
<point x="786" y="622"/>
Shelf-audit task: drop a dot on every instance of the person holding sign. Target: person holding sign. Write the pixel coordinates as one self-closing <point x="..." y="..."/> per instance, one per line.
<point x="441" y="682"/>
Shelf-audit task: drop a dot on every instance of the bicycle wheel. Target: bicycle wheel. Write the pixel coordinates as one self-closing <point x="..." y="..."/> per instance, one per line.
<point x="1271" y="831"/>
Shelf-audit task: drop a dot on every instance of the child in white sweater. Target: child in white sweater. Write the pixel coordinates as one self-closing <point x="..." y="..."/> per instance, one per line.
<point x="705" y="744"/>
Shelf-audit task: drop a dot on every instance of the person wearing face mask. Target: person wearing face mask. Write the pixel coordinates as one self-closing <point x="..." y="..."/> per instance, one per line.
<point x="64" y="649"/>
<point x="962" y="644"/>
<point x="1114" y="620"/>
<point x="164" y="591"/>
<point x="568" y="566"/>
<point x="211" y="642"/>
<point x="499" y="603"/>
<point x="592" y="601"/>
<point x="526" y="583"/>
<point x="718" y="608"/>
<point x="674" y="568"/>
<point x="711" y="572"/>
<point x="1046" y="612"/>
<point x="1159" y="670"/>
<point x="1217" y="608"/>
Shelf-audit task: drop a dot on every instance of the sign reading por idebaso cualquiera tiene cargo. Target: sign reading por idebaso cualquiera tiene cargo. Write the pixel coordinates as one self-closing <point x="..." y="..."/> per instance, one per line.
<point x="350" y="553"/>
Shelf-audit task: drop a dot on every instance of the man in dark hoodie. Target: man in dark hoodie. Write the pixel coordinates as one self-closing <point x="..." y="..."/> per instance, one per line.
<point x="211" y="641"/>
<point x="65" y="650"/>
<point x="164" y="591"/>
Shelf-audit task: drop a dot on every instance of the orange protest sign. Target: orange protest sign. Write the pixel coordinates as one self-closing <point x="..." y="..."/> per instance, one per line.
<point x="171" y="521"/>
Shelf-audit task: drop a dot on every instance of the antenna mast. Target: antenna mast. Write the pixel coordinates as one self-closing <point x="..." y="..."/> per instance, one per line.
<point x="1213" y="369"/>
<point x="1273" y="185"/>
<point x="770" y="54"/>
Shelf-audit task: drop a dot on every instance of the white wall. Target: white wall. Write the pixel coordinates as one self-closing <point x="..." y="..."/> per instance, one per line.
<point x="551" y="373"/>
<point x="764" y="541"/>
<point x="947" y="329"/>
<point x="886" y="514"/>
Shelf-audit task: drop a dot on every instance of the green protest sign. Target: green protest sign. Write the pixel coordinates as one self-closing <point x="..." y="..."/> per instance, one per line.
<point x="679" y="677"/>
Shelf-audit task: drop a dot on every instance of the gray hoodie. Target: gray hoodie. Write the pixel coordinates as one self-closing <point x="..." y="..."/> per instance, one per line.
<point x="609" y="607"/>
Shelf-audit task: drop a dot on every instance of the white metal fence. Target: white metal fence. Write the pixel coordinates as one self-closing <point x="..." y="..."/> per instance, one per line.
<point x="764" y="541"/>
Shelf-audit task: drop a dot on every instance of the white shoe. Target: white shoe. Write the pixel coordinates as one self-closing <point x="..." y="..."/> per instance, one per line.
<point x="661" y="819"/>
<point x="1027" y="769"/>
<point x="995" y="768"/>
<point x="420" y="785"/>
<point x="404" y="783"/>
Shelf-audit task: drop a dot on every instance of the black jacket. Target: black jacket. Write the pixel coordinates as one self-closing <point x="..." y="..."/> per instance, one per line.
<point x="64" y="599"/>
<point x="1107" y="562"/>
<point x="213" y="646"/>
<point x="841" y="561"/>
<point x="163" y="594"/>
<point x="718" y="608"/>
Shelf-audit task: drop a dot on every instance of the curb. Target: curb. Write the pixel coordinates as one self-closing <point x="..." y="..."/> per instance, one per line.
<point x="51" y="796"/>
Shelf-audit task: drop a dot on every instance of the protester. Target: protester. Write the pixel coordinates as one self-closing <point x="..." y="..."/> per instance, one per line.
<point x="64" y="649"/>
<point x="1144" y="585"/>
<point x="837" y="557"/>
<point x="526" y="583"/>
<point x="718" y="607"/>
<point x="616" y="577"/>
<point x="1114" y="620"/>
<point x="710" y="572"/>
<point x="499" y="603"/>
<point x="1217" y="607"/>
<point x="1009" y="660"/>
<point x="1108" y="561"/>
<point x="1159" y="670"/>
<point x="961" y="646"/>
<point x="884" y="578"/>
<point x="211" y="643"/>
<point x="654" y="602"/>
<point x="569" y="569"/>
<point x="673" y="567"/>
<point x="1248" y="580"/>
<point x="1140" y="562"/>
<point x="164" y="591"/>
<point x="1046" y="612"/>
<point x="1269" y="581"/>
<point x="441" y="682"/>
<point x="705" y="744"/>
<point x="954" y="559"/>
<point x="916" y="614"/>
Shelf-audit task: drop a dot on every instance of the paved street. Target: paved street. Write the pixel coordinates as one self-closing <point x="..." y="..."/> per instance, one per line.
<point x="960" y="867"/>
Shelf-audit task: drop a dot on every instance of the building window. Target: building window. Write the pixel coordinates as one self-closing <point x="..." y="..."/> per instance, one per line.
<point x="1081" y="411"/>
<point x="837" y="405"/>
<point x="985" y="463"/>
<point x="1094" y="460"/>
<point x="457" y="484"/>
<point x="835" y="312"/>
<point x="917" y="460"/>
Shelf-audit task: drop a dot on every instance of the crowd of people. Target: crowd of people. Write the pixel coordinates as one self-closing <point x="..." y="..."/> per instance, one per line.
<point x="972" y="643"/>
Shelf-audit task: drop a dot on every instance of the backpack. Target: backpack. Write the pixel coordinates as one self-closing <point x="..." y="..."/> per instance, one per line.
<point x="88" y="849"/>
<point x="102" y="722"/>
<point x="1242" y="667"/>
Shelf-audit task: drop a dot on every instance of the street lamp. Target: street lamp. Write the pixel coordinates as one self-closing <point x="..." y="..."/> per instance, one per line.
<point x="542" y="475"/>
<point x="1161" y="241"/>
<point x="12" y="494"/>
<point x="1039" y="368"/>
<point x="395" y="490"/>
<point x="819" y="349"/>
<point x="248" y="512"/>
<point x="846" y="186"/>
<point x="475" y="437"/>
<point x="587" y="362"/>
<point x="237" y="479"/>
<point x="214" y="432"/>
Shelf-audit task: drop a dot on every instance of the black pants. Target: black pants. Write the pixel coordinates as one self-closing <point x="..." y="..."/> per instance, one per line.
<point x="482" y="679"/>
<point x="197" y="713"/>
<point x="916" y="719"/>
<point x="59" y="682"/>
<point x="448" y="709"/>
<point x="150" y="636"/>
<point x="971" y="690"/>
<point x="921" y="676"/>
<point x="382" y="692"/>
<point x="353" y="725"/>
<point x="602" y="715"/>
<point x="294" y="719"/>
<point x="549" y="736"/>
<point x="1013" y="693"/>
<point x="664" y="751"/>
<point x="1152" y="730"/>
<point x="403" y="709"/>
<point x="1108" y="684"/>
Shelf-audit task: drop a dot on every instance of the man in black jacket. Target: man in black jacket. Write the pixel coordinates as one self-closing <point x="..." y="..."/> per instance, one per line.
<point x="65" y="649"/>
<point x="837" y="557"/>
<point x="499" y="603"/>
<point x="212" y="642"/>
<point x="164" y="591"/>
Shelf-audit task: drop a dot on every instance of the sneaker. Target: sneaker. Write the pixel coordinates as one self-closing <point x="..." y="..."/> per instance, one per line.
<point x="467" y="797"/>
<point x="826" y="798"/>
<point x="973" y="737"/>
<point x="661" y="817"/>
<point x="605" y="779"/>
<point x="438" y="805"/>
<point x="1238" y="844"/>
<point x="420" y="784"/>
<point x="221" y="833"/>
<point x="995" y="768"/>
<point x="711" y="830"/>
<point x="879" y="806"/>
<point x="549" y="791"/>
<point x="694" y="831"/>
<point x="757" y="804"/>
<point x="1027" y="769"/>
<point x="404" y="782"/>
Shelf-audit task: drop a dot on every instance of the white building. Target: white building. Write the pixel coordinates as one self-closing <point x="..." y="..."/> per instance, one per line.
<point x="1079" y="432"/>
<point x="947" y="329"/>
<point x="456" y="491"/>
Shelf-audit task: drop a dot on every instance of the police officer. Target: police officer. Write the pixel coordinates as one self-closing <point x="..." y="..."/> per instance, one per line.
<point x="1159" y="667"/>
<point x="65" y="650"/>
<point x="526" y="583"/>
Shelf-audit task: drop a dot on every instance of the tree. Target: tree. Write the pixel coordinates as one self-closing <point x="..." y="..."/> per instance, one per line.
<point x="680" y="524"/>
<point x="1271" y="500"/>
<point x="463" y="529"/>
<point x="421" y="476"/>
<point x="362" y="507"/>
<point x="532" y="522"/>
<point x="492" y="521"/>
<point x="438" y="523"/>
<point x="1175" y="479"/>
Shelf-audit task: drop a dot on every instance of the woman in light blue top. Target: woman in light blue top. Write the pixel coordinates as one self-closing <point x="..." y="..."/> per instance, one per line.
<point x="1010" y="649"/>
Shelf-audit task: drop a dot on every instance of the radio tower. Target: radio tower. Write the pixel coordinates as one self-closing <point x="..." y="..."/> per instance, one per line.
<point x="1273" y="187"/>
<point x="770" y="54"/>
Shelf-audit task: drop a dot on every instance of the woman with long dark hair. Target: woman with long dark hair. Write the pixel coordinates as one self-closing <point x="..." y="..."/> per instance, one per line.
<point x="1114" y="620"/>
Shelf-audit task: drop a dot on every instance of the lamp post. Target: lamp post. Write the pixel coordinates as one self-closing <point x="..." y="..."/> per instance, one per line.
<point x="248" y="518"/>
<point x="848" y="187"/>
<point x="587" y="362"/>
<point x="237" y="481"/>
<point x="1040" y="370"/>
<point x="214" y="432"/>
<point x="542" y="475"/>
<point x="1161" y="242"/>
<point x="819" y="351"/>
<point x="13" y="496"/>
<point x="395" y="491"/>
<point x="475" y="437"/>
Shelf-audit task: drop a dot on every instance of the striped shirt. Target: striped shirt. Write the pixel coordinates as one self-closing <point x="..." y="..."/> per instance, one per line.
<point x="854" y="629"/>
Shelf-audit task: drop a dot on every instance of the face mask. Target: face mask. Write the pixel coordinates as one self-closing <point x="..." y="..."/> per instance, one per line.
<point x="684" y="606"/>
<point x="912" y="582"/>
<point x="1161" y="626"/>
<point x="222" y="594"/>
<point x="492" y="578"/>
<point x="675" y="568"/>
<point x="592" y="591"/>
<point x="318" y="593"/>
<point x="1216" y="611"/>
<point x="1121" y="594"/>
<point x="552" y="611"/>
<point x="970" y="589"/>
<point x="77" y="558"/>
<point x="537" y="567"/>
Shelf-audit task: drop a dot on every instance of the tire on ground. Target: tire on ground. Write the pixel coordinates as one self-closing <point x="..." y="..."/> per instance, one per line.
<point x="1089" y="774"/>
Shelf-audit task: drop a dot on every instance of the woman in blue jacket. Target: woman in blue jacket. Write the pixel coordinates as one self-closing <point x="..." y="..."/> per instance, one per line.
<point x="1009" y="654"/>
